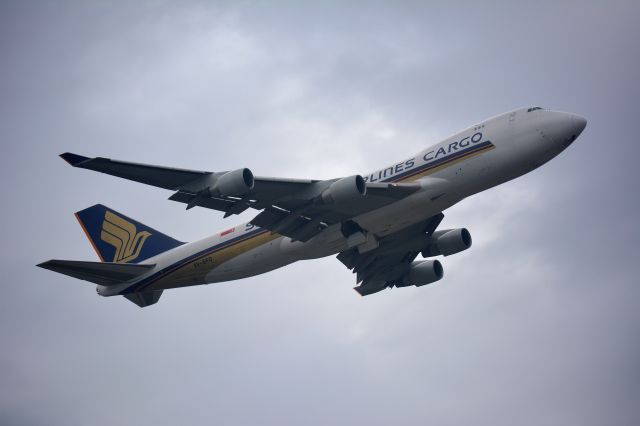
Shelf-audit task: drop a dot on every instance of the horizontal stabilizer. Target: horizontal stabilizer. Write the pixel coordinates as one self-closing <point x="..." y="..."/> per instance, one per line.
<point x="102" y="273"/>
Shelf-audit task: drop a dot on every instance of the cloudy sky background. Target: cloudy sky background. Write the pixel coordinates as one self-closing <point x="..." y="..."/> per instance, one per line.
<point x="537" y="324"/>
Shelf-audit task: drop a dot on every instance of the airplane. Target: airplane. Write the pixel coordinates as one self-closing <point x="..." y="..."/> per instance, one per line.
<point x="377" y="223"/>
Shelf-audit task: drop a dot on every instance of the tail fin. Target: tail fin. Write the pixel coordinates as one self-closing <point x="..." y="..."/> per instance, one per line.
<point x="117" y="238"/>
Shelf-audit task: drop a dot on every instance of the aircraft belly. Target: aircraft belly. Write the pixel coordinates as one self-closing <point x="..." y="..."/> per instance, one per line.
<point x="195" y="268"/>
<point x="406" y="212"/>
<point x="258" y="260"/>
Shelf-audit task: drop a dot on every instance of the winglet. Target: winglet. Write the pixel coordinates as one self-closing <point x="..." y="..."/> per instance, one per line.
<point x="73" y="159"/>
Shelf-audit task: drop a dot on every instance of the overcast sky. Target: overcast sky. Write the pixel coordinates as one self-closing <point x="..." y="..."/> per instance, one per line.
<point x="537" y="324"/>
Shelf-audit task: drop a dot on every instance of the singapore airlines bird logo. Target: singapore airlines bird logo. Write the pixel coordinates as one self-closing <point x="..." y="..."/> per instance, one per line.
<point x="122" y="235"/>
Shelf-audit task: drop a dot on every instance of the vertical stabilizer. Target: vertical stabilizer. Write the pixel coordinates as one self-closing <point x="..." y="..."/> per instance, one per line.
<point x="118" y="238"/>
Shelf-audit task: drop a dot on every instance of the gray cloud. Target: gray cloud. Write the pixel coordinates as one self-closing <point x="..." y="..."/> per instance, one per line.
<point x="537" y="324"/>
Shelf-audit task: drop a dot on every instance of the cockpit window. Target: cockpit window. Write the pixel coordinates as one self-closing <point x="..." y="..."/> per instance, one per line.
<point x="533" y="109"/>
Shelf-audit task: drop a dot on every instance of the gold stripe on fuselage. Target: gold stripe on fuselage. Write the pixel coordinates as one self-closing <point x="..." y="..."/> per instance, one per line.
<point x="194" y="272"/>
<point x="443" y="166"/>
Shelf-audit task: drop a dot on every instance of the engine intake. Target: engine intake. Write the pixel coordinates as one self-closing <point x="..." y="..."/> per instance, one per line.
<point x="448" y="242"/>
<point x="423" y="273"/>
<point x="345" y="189"/>
<point x="236" y="182"/>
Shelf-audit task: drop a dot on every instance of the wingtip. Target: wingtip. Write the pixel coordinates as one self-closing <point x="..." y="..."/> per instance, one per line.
<point x="44" y="265"/>
<point x="73" y="159"/>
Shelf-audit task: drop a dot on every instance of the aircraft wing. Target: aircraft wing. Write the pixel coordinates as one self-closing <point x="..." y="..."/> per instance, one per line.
<point x="163" y="177"/>
<point x="386" y="265"/>
<point x="295" y="208"/>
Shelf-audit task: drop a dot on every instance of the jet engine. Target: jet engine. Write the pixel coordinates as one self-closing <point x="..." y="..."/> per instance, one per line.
<point x="344" y="189"/>
<point x="448" y="242"/>
<point x="422" y="273"/>
<point x="236" y="182"/>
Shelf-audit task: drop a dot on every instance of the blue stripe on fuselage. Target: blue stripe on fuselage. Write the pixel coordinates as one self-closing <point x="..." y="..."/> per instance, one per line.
<point x="439" y="162"/>
<point x="146" y="282"/>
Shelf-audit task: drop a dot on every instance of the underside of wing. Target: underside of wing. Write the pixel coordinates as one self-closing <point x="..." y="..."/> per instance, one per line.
<point x="390" y="264"/>
<point x="303" y="215"/>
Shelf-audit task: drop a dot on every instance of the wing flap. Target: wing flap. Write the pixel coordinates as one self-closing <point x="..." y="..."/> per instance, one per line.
<point x="371" y="287"/>
<point x="213" y="203"/>
<point x="102" y="273"/>
<point x="289" y="224"/>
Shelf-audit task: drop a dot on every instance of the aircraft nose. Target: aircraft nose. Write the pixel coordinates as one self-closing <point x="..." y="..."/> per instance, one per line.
<point x="579" y="124"/>
<point x="563" y="127"/>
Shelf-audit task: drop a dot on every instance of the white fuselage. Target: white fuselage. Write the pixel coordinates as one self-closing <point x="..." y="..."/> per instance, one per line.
<point x="477" y="158"/>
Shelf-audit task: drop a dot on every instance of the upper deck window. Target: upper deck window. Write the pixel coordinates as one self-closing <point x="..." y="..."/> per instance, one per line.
<point x="533" y="109"/>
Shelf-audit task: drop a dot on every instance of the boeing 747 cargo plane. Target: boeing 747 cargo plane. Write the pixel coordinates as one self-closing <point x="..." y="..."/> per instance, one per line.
<point x="376" y="223"/>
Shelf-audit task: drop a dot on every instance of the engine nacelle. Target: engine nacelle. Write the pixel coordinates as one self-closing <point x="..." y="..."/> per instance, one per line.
<point x="345" y="189"/>
<point x="448" y="242"/>
<point x="236" y="182"/>
<point x="423" y="273"/>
